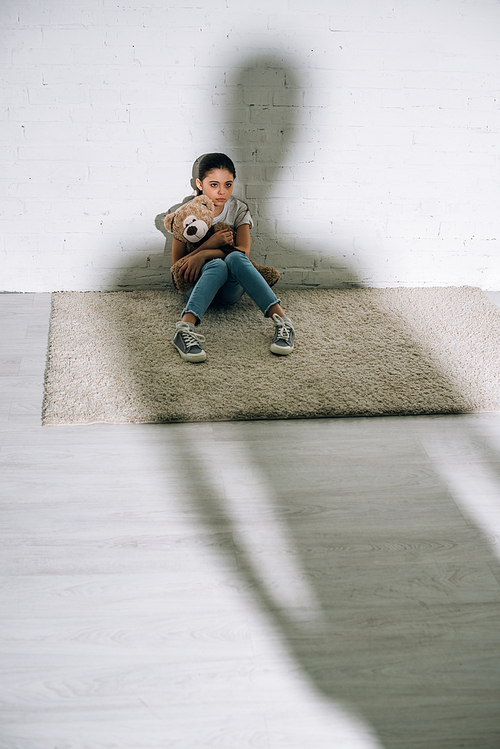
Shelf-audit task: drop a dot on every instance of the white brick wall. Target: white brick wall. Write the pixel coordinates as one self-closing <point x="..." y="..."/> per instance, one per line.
<point x="366" y="136"/>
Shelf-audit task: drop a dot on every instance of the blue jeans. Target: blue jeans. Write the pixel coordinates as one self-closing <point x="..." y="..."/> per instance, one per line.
<point x="224" y="281"/>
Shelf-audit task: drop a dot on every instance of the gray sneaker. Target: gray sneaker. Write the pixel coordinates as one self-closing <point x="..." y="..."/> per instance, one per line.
<point x="187" y="342"/>
<point x="284" y="336"/>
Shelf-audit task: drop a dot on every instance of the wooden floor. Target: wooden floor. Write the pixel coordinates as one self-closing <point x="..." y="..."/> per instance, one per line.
<point x="275" y="585"/>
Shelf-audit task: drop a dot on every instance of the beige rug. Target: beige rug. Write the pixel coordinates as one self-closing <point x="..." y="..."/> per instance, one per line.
<point x="358" y="352"/>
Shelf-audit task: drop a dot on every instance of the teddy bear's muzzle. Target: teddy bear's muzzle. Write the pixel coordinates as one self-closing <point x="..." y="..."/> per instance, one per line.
<point x="195" y="231"/>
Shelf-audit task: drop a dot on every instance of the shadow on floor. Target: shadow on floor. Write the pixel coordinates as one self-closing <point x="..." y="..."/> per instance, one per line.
<point x="390" y="605"/>
<point x="391" y="610"/>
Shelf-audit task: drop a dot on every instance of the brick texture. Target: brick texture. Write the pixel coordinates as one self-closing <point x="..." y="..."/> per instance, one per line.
<point x="366" y="137"/>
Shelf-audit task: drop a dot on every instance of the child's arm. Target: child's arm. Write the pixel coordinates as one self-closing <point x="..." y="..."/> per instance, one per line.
<point x="179" y="249"/>
<point x="218" y="239"/>
<point x="194" y="261"/>
<point x="243" y="239"/>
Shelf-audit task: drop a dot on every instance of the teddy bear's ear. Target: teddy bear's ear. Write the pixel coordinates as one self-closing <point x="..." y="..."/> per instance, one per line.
<point x="204" y="200"/>
<point x="169" y="222"/>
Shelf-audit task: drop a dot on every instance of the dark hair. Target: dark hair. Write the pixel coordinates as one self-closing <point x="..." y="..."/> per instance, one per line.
<point x="211" y="161"/>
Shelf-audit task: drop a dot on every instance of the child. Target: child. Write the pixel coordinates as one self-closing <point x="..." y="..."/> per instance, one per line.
<point x="221" y="275"/>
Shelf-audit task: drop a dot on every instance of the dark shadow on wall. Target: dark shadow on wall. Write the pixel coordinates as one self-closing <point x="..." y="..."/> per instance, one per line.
<point x="262" y="146"/>
<point x="407" y="664"/>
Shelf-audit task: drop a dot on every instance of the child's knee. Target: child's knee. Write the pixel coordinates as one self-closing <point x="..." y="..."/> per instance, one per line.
<point x="218" y="266"/>
<point x="217" y="262"/>
<point x="235" y="259"/>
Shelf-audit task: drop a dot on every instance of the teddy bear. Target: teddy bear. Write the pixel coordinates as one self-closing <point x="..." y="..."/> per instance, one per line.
<point x="191" y="224"/>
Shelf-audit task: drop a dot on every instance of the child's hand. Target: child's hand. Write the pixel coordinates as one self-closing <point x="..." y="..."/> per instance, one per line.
<point x="219" y="239"/>
<point x="190" y="269"/>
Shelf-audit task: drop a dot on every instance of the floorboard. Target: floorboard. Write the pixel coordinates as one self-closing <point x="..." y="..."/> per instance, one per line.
<point x="275" y="585"/>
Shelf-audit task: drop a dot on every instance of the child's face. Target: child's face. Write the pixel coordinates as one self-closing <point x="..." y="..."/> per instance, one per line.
<point x="218" y="186"/>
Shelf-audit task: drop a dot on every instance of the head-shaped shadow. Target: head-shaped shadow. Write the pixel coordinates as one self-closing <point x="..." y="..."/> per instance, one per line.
<point x="400" y="621"/>
<point x="263" y="144"/>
